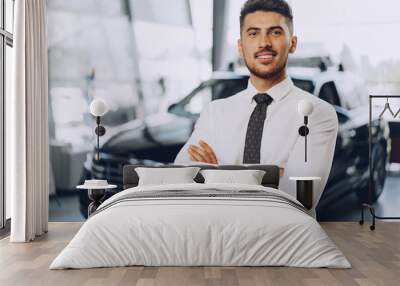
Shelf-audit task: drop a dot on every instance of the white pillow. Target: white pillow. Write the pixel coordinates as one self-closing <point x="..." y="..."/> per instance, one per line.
<point x="162" y="176"/>
<point x="248" y="177"/>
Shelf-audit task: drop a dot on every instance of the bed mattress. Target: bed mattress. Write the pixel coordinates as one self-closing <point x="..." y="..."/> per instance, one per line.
<point x="201" y="225"/>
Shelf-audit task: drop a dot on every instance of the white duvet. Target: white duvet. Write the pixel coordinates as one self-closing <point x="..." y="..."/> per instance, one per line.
<point x="200" y="231"/>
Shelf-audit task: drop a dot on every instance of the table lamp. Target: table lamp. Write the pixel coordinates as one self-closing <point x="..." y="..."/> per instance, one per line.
<point x="305" y="108"/>
<point x="304" y="185"/>
<point x="98" y="108"/>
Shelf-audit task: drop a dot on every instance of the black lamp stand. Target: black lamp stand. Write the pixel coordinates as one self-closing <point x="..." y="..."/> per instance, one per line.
<point x="303" y="131"/>
<point x="100" y="131"/>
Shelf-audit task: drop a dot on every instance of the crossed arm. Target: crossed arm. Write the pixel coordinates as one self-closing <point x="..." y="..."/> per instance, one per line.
<point x="321" y="146"/>
<point x="198" y="147"/>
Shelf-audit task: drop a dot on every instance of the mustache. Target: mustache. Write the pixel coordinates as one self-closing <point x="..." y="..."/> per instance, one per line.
<point x="266" y="50"/>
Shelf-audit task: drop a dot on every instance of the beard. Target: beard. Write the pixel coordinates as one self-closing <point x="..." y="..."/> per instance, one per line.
<point x="266" y="74"/>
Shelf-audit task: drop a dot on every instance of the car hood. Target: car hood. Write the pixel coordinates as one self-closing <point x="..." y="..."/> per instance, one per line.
<point x="154" y="130"/>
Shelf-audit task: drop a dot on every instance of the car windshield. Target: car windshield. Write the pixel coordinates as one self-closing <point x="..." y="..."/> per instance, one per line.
<point x="306" y="85"/>
<point x="311" y="62"/>
<point x="211" y="90"/>
<point x="329" y="93"/>
<point x="200" y="99"/>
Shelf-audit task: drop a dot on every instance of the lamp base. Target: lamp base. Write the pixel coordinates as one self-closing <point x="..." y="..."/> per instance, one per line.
<point x="96" y="196"/>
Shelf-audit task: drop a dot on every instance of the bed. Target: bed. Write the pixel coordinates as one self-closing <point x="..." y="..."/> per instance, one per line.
<point x="201" y="224"/>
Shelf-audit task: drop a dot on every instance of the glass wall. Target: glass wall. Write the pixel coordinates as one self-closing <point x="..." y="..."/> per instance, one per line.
<point x="154" y="71"/>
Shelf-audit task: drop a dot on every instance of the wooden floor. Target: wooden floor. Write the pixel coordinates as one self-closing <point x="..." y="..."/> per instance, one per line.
<point x="375" y="257"/>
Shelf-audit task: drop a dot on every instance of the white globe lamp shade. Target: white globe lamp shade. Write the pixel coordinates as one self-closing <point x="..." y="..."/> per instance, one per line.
<point x="98" y="107"/>
<point x="305" y="107"/>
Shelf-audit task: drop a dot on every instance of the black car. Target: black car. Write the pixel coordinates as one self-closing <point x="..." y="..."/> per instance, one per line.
<point x="158" y="138"/>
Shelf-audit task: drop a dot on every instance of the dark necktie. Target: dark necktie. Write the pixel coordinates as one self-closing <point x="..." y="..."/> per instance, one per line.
<point x="255" y="128"/>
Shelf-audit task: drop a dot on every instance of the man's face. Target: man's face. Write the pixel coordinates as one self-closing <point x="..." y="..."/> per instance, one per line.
<point x="265" y="43"/>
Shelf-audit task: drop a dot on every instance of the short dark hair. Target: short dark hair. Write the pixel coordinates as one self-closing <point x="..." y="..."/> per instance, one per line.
<point x="278" y="6"/>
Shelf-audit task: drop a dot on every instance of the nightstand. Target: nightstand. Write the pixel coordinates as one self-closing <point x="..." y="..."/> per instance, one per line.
<point x="304" y="190"/>
<point x="96" y="193"/>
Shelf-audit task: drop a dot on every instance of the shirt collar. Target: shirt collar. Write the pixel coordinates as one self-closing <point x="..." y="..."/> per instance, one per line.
<point x="277" y="92"/>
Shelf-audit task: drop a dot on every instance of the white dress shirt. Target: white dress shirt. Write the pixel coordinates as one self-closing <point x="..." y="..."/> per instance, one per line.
<point x="223" y="125"/>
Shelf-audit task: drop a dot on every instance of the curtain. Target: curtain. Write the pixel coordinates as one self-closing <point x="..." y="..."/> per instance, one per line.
<point x="28" y="151"/>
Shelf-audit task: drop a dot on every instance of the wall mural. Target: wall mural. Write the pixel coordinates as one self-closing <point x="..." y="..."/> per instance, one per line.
<point x="155" y="74"/>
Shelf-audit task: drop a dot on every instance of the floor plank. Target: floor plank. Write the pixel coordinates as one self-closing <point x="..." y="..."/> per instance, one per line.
<point x="374" y="255"/>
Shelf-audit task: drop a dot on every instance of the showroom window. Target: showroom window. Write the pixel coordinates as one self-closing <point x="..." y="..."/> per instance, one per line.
<point x="6" y="44"/>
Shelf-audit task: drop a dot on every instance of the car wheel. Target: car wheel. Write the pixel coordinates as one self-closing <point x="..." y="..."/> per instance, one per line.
<point x="379" y="159"/>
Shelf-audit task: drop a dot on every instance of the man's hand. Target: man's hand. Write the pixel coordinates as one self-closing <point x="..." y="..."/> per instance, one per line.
<point x="202" y="153"/>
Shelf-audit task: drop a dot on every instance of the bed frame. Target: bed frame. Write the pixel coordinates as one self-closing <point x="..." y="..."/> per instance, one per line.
<point x="270" y="179"/>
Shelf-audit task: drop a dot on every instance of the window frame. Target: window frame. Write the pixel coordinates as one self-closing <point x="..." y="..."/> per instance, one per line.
<point x="6" y="39"/>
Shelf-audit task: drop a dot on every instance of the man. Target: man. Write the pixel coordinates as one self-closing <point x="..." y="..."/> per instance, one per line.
<point x="260" y="124"/>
